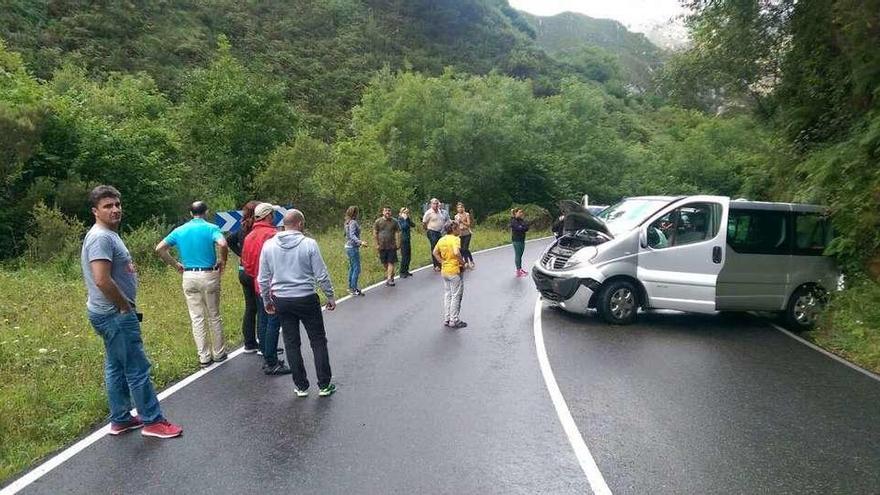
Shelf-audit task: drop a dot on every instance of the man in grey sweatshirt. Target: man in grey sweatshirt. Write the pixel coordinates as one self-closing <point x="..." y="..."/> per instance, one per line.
<point x="290" y="267"/>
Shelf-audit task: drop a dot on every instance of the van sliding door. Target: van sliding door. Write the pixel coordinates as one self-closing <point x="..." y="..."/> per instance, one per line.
<point x="756" y="273"/>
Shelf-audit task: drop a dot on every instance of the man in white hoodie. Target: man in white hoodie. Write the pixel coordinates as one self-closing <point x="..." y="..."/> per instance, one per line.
<point x="290" y="267"/>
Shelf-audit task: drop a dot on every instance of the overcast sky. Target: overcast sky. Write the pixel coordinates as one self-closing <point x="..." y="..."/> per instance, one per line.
<point x="637" y="15"/>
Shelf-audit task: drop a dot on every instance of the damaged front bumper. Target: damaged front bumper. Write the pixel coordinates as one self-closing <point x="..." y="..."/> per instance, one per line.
<point x="571" y="291"/>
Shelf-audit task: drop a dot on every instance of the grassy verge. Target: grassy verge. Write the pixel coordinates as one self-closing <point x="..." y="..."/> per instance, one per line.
<point x="51" y="361"/>
<point x="851" y="328"/>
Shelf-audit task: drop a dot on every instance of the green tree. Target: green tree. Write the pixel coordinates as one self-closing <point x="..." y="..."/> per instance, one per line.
<point x="23" y="115"/>
<point x="358" y="174"/>
<point x="291" y="177"/>
<point x="229" y="120"/>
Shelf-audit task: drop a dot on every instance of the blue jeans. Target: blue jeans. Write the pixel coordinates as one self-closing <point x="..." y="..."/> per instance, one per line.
<point x="268" y="327"/>
<point x="354" y="266"/>
<point x="126" y="367"/>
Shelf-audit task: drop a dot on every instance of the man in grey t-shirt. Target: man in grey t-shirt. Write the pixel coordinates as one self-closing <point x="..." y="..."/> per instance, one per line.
<point x="111" y="281"/>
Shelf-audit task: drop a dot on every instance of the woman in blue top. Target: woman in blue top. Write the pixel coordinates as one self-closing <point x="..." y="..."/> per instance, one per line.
<point x="353" y="244"/>
<point x="406" y="224"/>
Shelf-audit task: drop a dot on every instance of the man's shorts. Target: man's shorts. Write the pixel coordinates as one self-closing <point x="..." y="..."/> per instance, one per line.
<point x="387" y="256"/>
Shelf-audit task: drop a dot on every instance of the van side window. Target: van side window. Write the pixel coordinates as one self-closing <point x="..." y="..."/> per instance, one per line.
<point x="758" y="231"/>
<point x="812" y="233"/>
<point x="696" y="222"/>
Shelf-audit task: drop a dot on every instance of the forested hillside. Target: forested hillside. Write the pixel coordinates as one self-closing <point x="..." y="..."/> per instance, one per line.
<point x="324" y="51"/>
<point x="576" y="38"/>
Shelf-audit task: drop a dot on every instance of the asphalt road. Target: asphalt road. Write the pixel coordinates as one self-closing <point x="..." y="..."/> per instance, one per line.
<point x="685" y="403"/>
<point x="675" y="404"/>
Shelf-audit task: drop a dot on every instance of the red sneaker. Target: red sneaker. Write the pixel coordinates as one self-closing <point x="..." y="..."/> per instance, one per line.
<point x="119" y="428"/>
<point x="162" y="429"/>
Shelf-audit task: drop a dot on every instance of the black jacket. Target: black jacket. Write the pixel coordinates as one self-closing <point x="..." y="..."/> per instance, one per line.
<point x="518" y="229"/>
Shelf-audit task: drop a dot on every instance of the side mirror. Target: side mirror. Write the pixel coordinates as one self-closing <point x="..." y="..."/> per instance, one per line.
<point x="643" y="238"/>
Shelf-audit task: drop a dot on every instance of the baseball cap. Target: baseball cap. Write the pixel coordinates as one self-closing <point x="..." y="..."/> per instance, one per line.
<point x="262" y="210"/>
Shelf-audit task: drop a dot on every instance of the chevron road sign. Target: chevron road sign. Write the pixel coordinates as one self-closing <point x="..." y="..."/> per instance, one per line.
<point x="230" y="221"/>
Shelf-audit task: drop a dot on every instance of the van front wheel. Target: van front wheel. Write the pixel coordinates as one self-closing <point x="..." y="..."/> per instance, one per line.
<point x="618" y="302"/>
<point x="804" y="308"/>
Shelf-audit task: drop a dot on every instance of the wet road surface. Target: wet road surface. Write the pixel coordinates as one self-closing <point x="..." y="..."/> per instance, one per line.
<point x="685" y="403"/>
<point x="675" y="404"/>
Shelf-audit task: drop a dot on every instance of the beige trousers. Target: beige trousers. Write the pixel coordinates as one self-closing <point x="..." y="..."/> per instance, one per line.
<point x="202" y="291"/>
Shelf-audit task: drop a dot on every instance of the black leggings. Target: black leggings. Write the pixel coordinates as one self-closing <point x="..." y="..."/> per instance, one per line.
<point x="466" y="248"/>
<point x="249" y="319"/>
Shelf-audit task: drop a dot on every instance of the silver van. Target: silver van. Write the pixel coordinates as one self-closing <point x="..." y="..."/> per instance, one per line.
<point x="695" y="253"/>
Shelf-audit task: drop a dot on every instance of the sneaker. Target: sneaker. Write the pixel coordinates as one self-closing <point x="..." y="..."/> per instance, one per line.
<point x="119" y="428"/>
<point x="328" y="390"/>
<point x="162" y="429"/>
<point x="301" y="393"/>
<point x="250" y="350"/>
<point x="458" y="324"/>
<point x="278" y="369"/>
<point x="221" y="358"/>
<point x="445" y="323"/>
<point x="389" y="283"/>
<point x="357" y="292"/>
<point x="259" y="352"/>
<point x="205" y="365"/>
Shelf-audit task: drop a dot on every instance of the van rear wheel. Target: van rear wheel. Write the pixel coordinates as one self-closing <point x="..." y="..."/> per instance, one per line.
<point x="618" y="302"/>
<point x="804" y="308"/>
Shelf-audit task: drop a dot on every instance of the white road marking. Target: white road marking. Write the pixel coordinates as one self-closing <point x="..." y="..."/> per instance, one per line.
<point x="585" y="458"/>
<point x="58" y="459"/>
<point x="823" y="351"/>
<point x="78" y="447"/>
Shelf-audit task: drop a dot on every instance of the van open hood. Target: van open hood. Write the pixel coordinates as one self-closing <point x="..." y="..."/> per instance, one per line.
<point x="576" y="217"/>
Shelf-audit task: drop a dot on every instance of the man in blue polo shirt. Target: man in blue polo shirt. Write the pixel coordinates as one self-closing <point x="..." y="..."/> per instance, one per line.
<point x="195" y="242"/>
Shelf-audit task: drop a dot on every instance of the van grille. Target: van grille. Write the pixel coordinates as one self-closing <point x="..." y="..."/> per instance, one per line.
<point x="555" y="259"/>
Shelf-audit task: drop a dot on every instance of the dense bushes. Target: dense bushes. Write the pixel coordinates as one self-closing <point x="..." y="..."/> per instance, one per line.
<point x="537" y="217"/>
<point x="53" y="236"/>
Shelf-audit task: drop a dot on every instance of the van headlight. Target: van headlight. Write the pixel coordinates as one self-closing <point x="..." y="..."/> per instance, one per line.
<point x="582" y="257"/>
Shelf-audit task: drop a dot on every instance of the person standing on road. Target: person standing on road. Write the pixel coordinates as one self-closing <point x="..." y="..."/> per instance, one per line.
<point x="406" y="224"/>
<point x="386" y="233"/>
<point x="464" y="221"/>
<point x="236" y="242"/>
<point x="448" y="253"/>
<point x="290" y="267"/>
<point x="435" y="221"/>
<point x="518" y="229"/>
<point x="353" y="244"/>
<point x="202" y="274"/>
<point x="111" y="281"/>
<point x="268" y="325"/>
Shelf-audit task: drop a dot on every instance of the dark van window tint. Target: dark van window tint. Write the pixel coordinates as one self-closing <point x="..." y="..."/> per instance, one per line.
<point x="758" y="232"/>
<point x="812" y="233"/>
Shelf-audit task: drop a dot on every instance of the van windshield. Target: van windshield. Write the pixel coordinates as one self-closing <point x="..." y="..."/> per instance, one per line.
<point x="624" y="216"/>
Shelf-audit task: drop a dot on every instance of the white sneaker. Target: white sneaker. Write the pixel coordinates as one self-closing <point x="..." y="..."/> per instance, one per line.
<point x="300" y="393"/>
